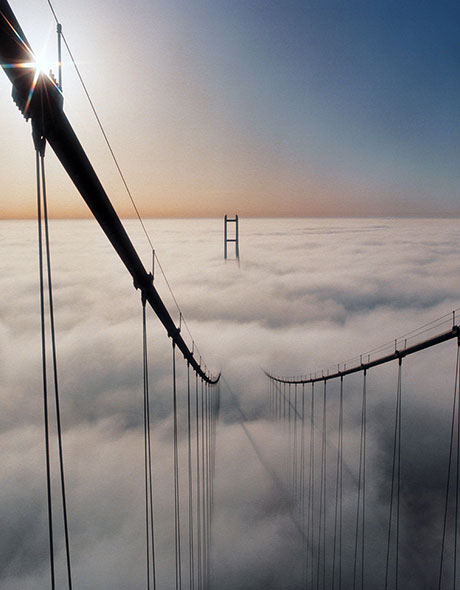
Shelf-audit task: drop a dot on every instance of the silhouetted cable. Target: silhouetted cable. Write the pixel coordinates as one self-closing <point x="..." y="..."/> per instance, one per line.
<point x="146" y="470"/>
<point x="338" y="514"/>
<point x="208" y="471"/>
<point x="396" y="354"/>
<point x="289" y="442"/>
<point x="294" y="463"/>
<point x="302" y="459"/>
<point x="44" y="373"/>
<point x="112" y="153"/>
<point x="455" y="416"/>
<point x="311" y="487"/>
<point x="101" y="127"/>
<point x="190" y="486"/>
<point x="203" y="495"/>
<point x="265" y="464"/>
<point x="456" y="501"/>
<point x="361" y="492"/>
<point x="149" y="510"/>
<point x="321" y="557"/>
<point x="284" y="404"/>
<point x="177" y="531"/>
<point x="55" y="374"/>
<point x="395" y="472"/>
<point x="198" y="483"/>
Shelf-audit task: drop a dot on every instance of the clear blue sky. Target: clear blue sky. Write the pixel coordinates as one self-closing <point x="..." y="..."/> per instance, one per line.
<point x="262" y="107"/>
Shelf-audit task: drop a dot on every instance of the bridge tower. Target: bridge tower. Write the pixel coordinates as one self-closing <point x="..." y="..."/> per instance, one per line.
<point x="235" y="239"/>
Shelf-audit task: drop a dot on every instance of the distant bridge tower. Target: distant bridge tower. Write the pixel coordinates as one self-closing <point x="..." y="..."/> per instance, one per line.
<point x="235" y="239"/>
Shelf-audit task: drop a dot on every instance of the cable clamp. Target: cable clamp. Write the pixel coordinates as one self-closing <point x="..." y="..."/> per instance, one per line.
<point x="38" y="136"/>
<point x="144" y="286"/>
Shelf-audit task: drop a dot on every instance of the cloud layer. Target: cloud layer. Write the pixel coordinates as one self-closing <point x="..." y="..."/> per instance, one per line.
<point x="308" y="294"/>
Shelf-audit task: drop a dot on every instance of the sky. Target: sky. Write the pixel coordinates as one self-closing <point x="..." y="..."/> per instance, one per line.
<point x="309" y="293"/>
<point x="261" y="108"/>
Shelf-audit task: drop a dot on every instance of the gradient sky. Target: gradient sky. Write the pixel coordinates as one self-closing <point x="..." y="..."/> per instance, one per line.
<point x="262" y="108"/>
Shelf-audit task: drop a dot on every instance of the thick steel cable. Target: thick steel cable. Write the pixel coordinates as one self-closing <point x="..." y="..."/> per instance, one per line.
<point x="44" y="376"/>
<point x="394" y="475"/>
<point x="101" y="127"/>
<point x="120" y="172"/>
<point x="190" y="486"/>
<point x="446" y="504"/>
<point x="198" y="483"/>
<point x="361" y="491"/>
<point x="55" y="375"/>
<point x="177" y="530"/>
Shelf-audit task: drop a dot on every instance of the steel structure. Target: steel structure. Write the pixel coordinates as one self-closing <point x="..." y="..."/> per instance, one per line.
<point x="39" y="98"/>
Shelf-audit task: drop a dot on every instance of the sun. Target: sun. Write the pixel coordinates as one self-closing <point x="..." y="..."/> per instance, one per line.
<point x="42" y="64"/>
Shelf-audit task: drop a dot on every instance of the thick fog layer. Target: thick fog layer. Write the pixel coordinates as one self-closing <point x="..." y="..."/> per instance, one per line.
<point x="308" y="294"/>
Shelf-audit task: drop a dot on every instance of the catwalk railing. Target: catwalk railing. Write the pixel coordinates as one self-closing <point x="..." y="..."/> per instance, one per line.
<point x="359" y="482"/>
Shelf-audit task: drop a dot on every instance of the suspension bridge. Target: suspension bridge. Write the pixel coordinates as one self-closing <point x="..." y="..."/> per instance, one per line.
<point x="349" y="532"/>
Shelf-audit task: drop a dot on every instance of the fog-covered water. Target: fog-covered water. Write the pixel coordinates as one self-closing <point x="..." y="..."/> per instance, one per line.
<point x="308" y="294"/>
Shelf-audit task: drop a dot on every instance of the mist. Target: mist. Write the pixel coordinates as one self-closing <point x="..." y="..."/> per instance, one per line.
<point x="307" y="295"/>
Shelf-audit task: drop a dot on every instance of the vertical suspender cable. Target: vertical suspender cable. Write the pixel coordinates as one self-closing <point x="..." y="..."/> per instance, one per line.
<point x="149" y="511"/>
<point x="395" y="471"/>
<point x="456" y="502"/>
<point x="198" y="484"/>
<point x="311" y="488"/>
<point x="203" y="494"/>
<point x="302" y="467"/>
<point x="146" y="471"/>
<point x="455" y="416"/>
<point x="361" y="491"/>
<point x="398" y="485"/>
<point x="176" y="478"/>
<point x="337" y="552"/>
<point x="294" y="464"/>
<point x="321" y="565"/>
<point x="45" y="386"/>
<point x="190" y="486"/>
<point x="284" y="404"/>
<point x="208" y="527"/>
<point x="55" y="375"/>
